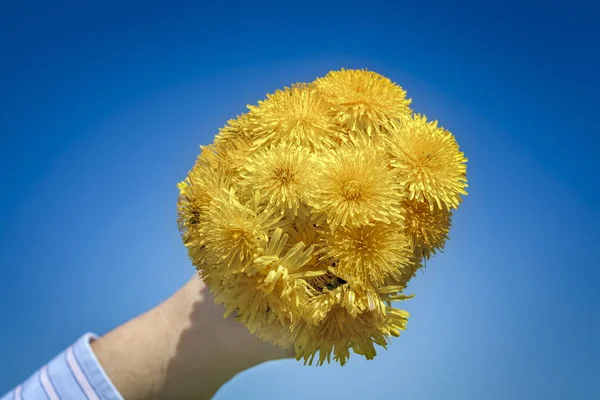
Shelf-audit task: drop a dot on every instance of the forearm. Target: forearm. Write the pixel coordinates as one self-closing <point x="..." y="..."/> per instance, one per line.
<point x="182" y="348"/>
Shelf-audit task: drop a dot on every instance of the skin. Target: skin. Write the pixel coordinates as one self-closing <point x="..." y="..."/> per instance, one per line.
<point x="181" y="349"/>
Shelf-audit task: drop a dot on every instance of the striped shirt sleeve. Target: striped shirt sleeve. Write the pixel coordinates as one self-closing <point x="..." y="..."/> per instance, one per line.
<point x="73" y="374"/>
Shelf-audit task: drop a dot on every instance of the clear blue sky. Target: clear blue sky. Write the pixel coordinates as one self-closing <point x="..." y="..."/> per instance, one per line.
<point x="103" y="108"/>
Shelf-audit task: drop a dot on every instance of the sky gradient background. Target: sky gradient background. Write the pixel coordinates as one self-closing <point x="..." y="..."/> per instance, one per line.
<point x="104" y="107"/>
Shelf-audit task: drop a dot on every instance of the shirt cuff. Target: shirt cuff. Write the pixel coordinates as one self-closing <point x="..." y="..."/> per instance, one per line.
<point x="72" y="375"/>
<point x="91" y="375"/>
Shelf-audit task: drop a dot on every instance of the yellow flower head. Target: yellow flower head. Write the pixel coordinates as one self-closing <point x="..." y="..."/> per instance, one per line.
<point x="272" y="289"/>
<point x="428" y="229"/>
<point x="363" y="100"/>
<point x="284" y="174"/>
<point x="368" y="254"/>
<point x="429" y="162"/>
<point x="309" y="215"/>
<point x="233" y="232"/>
<point x="231" y="155"/>
<point x="239" y="127"/>
<point x="297" y="115"/>
<point x="203" y="183"/>
<point x="356" y="186"/>
<point x="344" y="319"/>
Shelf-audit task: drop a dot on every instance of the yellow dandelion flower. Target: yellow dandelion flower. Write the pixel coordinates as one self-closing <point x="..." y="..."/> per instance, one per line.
<point x="239" y="127"/>
<point x="229" y="156"/>
<point x="298" y="115"/>
<point x="284" y="174"/>
<point x="355" y="186"/>
<point x="364" y="100"/>
<point x="233" y="232"/>
<point x="368" y="254"/>
<point x="428" y="229"/>
<point x="272" y="290"/>
<point x="195" y="194"/>
<point x="429" y="161"/>
<point x="337" y="335"/>
<point x="345" y="319"/>
<point x="265" y="316"/>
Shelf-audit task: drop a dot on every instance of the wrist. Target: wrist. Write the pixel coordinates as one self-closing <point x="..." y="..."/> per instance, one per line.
<point x="183" y="348"/>
<point x="210" y="349"/>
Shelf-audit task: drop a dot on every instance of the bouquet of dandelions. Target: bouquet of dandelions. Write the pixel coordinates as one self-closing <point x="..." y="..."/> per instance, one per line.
<point x="309" y="214"/>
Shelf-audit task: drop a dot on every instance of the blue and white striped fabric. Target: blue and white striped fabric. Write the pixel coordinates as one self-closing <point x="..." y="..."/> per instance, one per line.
<point x="73" y="374"/>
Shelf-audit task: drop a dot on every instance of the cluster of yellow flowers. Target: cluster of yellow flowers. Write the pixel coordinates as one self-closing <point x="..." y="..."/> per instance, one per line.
<point x="309" y="214"/>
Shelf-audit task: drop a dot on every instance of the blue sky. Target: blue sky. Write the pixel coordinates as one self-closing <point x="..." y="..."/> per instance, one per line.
<point x="104" y="105"/>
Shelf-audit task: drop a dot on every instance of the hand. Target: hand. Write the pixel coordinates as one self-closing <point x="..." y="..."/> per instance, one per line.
<point x="181" y="349"/>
